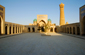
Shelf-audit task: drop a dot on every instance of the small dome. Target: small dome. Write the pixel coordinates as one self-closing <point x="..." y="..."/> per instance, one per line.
<point x="34" y="20"/>
<point x="49" y="19"/>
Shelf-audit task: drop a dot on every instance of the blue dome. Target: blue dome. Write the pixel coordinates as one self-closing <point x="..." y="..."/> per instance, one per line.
<point x="34" y="20"/>
<point x="49" y="19"/>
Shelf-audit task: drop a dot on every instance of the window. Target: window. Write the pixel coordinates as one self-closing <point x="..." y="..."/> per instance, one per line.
<point x="1" y="8"/>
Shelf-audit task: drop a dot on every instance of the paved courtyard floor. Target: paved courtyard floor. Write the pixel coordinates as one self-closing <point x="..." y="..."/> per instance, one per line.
<point x="35" y="44"/>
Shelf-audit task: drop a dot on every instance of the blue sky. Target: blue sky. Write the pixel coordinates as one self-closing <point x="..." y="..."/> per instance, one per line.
<point x="25" y="11"/>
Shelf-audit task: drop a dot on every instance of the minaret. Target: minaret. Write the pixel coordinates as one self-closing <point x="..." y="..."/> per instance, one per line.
<point x="62" y="18"/>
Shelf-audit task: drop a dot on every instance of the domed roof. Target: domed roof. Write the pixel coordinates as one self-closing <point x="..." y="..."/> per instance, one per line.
<point x="49" y="19"/>
<point x="34" y="20"/>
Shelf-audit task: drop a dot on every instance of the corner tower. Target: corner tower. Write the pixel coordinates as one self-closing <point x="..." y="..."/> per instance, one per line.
<point x="62" y="18"/>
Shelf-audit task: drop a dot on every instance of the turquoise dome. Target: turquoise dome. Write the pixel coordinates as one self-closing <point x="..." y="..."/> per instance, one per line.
<point x="49" y="19"/>
<point x="34" y="20"/>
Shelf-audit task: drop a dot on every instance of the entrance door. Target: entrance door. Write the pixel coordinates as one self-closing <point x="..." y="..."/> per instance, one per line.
<point x="42" y="28"/>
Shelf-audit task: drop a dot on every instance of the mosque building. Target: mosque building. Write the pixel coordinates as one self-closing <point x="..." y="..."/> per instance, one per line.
<point x="39" y="24"/>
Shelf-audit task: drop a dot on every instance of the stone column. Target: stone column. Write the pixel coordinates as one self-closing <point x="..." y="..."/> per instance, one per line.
<point x="53" y="29"/>
<point x="8" y="29"/>
<point x="69" y="30"/>
<point x="30" y="29"/>
<point x="35" y="29"/>
<point x="15" y="29"/>
<point x="19" y="29"/>
<point x="11" y="29"/>
<point x="76" y="30"/>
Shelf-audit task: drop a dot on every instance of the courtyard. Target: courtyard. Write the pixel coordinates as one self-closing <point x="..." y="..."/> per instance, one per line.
<point x="36" y="44"/>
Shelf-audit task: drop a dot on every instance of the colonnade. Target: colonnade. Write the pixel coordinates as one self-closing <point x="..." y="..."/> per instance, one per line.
<point x="13" y="29"/>
<point x="71" y="30"/>
<point x="32" y="29"/>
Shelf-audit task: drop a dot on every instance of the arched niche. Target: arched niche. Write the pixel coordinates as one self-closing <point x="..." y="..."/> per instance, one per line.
<point x="42" y="23"/>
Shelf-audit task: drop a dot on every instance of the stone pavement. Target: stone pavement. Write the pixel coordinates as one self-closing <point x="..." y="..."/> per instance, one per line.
<point x="35" y="44"/>
<point x="5" y="36"/>
<point x="72" y="35"/>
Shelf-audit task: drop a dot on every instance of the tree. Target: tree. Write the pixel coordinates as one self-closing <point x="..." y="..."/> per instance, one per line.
<point x="47" y="27"/>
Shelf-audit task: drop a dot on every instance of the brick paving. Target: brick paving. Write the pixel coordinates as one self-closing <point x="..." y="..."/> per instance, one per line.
<point x="35" y="44"/>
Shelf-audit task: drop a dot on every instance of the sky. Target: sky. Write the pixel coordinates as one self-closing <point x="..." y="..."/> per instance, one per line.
<point x="25" y="11"/>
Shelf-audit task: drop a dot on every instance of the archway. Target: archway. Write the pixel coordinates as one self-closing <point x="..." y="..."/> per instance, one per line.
<point x="16" y="29"/>
<point x="42" y="23"/>
<point x="41" y="26"/>
<point x="78" y="31"/>
<point x="28" y="29"/>
<point x="55" y="29"/>
<point x="33" y="29"/>
<point x="73" y="30"/>
<point x="10" y="30"/>
<point x="70" y="30"/>
<point x="51" y="30"/>
<point x="6" y="30"/>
